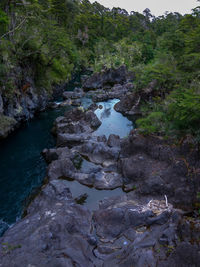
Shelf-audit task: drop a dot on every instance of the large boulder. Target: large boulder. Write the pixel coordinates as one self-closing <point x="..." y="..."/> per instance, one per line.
<point x="129" y="104"/>
<point x="113" y="140"/>
<point x="58" y="169"/>
<point x="155" y="168"/>
<point x="99" y="152"/>
<point x="55" y="153"/>
<point x="55" y="232"/>
<point x="75" y="127"/>
<point x="105" y="78"/>
<point x="117" y="91"/>
<point x="71" y="140"/>
<point x="77" y="93"/>
<point x="92" y="119"/>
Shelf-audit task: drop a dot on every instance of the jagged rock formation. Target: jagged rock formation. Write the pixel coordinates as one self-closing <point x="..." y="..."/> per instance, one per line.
<point x="107" y="78"/>
<point x="148" y="226"/>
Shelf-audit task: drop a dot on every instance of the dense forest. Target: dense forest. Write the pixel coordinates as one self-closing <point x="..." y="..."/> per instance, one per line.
<point x="49" y="40"/>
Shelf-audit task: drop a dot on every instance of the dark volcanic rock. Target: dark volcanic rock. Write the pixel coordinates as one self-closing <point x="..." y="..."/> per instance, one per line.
<point x="92" y="119"/>
<point x="118" y="91"/>
<point x="56" y="232"/>
<point x="158" y="169"/>
<point x="67" y="164"/>
<point x="75" y="127"/>
<point x="184" y="255"/>
<point x="77" y="93"/>
<point x="138" y="229"/>
<point x="106" y="77"/>
<point x="122" y="232"/>
<point x="71" y="139"/>
<point x="113" y="140"/>
<point x="24" y="103"/>
<point x="99" y="152"/>
<point x="55" y="153"/>
<point x="130" y="235"/>
<point x="23" y="107"/>
<point x="128" y="105"/>
<point x="62" y="168"/>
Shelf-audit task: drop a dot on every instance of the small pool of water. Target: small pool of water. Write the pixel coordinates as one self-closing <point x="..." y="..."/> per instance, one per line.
<point x="113" y="122"/>
<point x="94" y="195"/>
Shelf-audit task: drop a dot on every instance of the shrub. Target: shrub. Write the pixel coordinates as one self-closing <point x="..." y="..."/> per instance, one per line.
<point x="153" y="123"/>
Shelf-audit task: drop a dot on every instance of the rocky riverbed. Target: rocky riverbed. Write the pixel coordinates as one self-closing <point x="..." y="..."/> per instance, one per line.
<point x="153" y="224"/>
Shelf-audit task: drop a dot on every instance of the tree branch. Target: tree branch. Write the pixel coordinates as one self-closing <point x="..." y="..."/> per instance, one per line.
<point x="17" y="27"/>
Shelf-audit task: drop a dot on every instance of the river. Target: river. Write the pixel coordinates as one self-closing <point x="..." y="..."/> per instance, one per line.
<point x="23" y="169"/>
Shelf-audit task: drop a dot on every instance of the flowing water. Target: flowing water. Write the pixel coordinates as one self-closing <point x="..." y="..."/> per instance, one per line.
<point x="22" y="168"/>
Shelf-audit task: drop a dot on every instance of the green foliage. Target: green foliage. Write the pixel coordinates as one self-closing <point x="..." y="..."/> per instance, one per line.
<point x="184" y="110"/>
<point x="178" y="115"/>
<point x="163" y="70"/>
<point x="3" y="22"/>
<point x="64" y="11"/>
<point x="153" y="123"/>
<point x="113" y="56"/>
<point x="38" y="45"/>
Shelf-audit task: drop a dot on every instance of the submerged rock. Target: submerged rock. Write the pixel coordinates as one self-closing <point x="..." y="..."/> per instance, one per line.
<point x="81" y="199"/>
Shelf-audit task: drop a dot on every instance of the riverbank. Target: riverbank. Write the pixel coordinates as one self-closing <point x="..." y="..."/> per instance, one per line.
<point x="22" y="166"/>
<point x="147" y="226"/>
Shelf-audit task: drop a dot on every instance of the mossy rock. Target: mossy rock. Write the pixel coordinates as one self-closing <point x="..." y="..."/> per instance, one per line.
<point x="7" y="125"/>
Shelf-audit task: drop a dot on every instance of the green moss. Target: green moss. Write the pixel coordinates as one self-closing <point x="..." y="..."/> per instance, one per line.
<point x="7" y="248"/>
<point x="6" y="125"/>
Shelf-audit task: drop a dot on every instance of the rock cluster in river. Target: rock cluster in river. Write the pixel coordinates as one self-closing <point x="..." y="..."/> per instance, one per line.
<point x="107" y="78"/>
<point x="148" y="226"/>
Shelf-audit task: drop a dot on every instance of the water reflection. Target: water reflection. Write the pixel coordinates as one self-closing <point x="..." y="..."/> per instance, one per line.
<point x="93" y="195"/>
<point x="106" y="113"/>
<point x="112" y="122"/>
